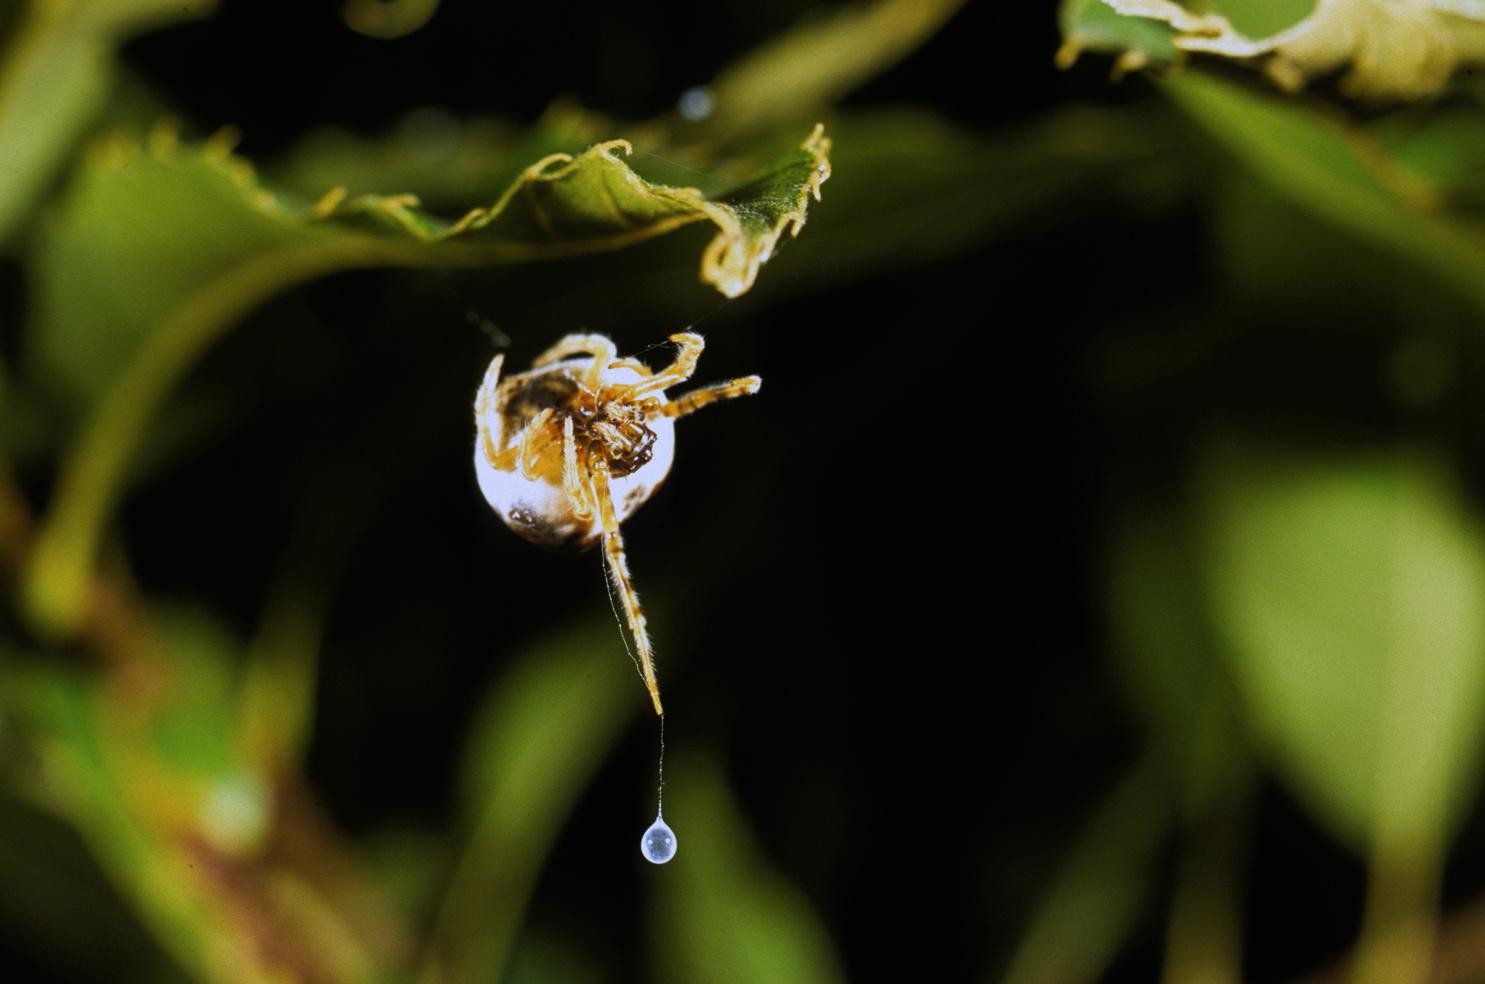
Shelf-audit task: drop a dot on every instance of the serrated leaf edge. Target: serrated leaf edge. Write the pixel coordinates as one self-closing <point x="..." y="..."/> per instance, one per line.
<point x="730" y="262"/>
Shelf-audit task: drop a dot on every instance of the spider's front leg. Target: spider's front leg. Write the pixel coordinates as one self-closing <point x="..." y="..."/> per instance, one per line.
<point x="487" y="419"/>
<point x="696" y="399"/>
<point x="600" y="347"/>
<point x="618" y="568"/>
<point x="691" y="346"/>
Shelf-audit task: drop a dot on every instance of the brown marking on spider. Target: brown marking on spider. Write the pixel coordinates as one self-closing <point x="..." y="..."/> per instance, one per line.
<point x="567" y="450"/>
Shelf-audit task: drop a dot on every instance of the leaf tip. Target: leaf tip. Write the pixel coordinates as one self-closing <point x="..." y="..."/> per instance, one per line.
<point x="732" y="260"/>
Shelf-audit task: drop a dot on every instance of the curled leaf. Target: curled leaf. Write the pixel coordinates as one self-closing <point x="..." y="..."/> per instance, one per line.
<point x="751" y="219"/>
<point x="1389" y="49"/>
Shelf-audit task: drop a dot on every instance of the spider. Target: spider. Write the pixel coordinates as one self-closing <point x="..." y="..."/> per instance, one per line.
<point x="566" y="451"/>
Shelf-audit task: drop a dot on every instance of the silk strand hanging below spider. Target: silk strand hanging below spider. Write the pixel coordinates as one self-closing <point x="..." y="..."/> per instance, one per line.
<point x="566" y="451"/>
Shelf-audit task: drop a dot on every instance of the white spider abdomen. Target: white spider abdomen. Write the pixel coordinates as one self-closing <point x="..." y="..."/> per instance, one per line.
<point x="539" y="507"/>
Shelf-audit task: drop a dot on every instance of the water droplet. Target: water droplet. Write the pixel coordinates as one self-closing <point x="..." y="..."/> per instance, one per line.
<point x="696" y="104"/>
<point x="658" y="843"/>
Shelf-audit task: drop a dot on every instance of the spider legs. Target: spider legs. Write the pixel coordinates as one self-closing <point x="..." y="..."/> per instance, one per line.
<point x="601" y="348"/>
<point x="484" y="401"/>
<point x="571" y="479"/>
<point x="696" y="399"/>
<point x="485" y="415"/>
<point x="618" y="569"/>
<point x="531" y="444"/>
<point x="678" y="371"/>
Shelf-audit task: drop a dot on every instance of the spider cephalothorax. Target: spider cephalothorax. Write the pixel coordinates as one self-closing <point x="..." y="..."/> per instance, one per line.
<point x="565" y="452"/>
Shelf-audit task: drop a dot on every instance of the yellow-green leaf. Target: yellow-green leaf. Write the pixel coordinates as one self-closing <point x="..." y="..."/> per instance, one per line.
<point x="821" y="60"/>
<point x="1348" y="588"/>
<point x="1093" y="901"/>
<point x="1092" y="25"/>
<point x="545" y="728"/>
<point x="723" y="914"/>
<point x="1168" y="656"/>
<point x="1333" y="170"/>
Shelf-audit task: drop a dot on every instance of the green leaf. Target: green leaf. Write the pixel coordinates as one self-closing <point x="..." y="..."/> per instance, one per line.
<point x="1444" y="146"/>
<point x="1348" y="589"/>
<point x="548" y="958"/>
<point x="445" y="160"/>
<point x="544" y="729"/>
<point x="1142" y="38"/>
<point x="1092" y="25"/>
<point x="147" y="764"/>
<point x="1096" y="897"/>
<point x="1257" y="18"/>
<point x="63" y="717"/>
<point x="56" y="73"/>
<point x="722" y="913"/>
<point x="907" y="188"/>
<point x="193" y="731"/>
<point x="821" y="60"/>
<point x="160" y="248"/>
<point x="275" y="706"/>
<point x="1168" y="656"/>
<point x="55" y="898"/>
<point x="1337" y="173"/>
<point x="1392" y="49"/>
<point x="387" y="18"/>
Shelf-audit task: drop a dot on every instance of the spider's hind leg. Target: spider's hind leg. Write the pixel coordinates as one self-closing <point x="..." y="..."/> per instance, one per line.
<point x="572" y="482"/>
<point x="618" y="569"/>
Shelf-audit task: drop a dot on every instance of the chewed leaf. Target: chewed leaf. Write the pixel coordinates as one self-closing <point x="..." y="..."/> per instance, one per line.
<point x="148" y="227"/>
<point x="596" y="201"/>
<point x="159" y="248"/>
<point x="1389" y="49"/>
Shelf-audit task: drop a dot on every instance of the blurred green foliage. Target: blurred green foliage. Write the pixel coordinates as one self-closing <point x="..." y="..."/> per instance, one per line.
<point x="58" y="69"/>
<point x="1291" y="598"/>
